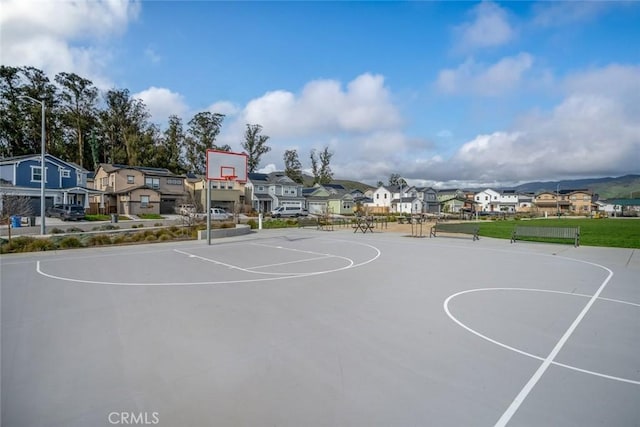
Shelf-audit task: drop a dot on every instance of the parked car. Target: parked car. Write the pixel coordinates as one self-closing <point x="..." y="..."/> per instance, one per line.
<point x="66" y="212"/>
<point x="288" y="211"/>
<point x="217" y="214"/>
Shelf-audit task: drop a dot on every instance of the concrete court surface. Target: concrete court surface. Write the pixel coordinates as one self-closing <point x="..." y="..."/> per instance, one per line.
<point x="315" y="328"/>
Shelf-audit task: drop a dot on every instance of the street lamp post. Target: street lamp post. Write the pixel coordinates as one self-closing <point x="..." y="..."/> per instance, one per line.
<point x="42" y="163"/>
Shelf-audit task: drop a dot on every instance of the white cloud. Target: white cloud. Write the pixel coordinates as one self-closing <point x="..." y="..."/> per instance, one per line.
<point x="490" y="27"/>
<point x="50" y="34"/>
<point x="224" y="107"/>
<point x="152" y="55"/>
<point x="325" y="107"/>
<point x="487" y="80"/>
<point x="162" y="103"/>
<point x="557" y="14"/>
<point x="593" y="131"/>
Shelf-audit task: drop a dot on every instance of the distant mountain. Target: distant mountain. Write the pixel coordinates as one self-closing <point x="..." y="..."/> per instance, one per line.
<point x="606" y="188"/>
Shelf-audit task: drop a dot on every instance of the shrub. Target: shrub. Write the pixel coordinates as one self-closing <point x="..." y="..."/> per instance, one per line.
<point x="56" y="230"/>
<point x="70" y="242"/>
<point x="164" y="237"/>
<point x="98" y="240"/>
<point x="151" y="238"/>
<point x="253" y="224"/>
<point x="40" y="245"/>
<point x="157" y="224"/>
<point x="74" y="230"/>
<point x="119" y="239"/>
<point x="109" y="227"/>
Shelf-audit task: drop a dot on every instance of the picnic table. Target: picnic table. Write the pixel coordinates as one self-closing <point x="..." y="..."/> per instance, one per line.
<point x="364" y="224"/>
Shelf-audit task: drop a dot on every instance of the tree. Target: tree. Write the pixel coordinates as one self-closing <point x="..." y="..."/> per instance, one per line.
<point x="173" y="140"/>
<point x="123" y="123"/>
<point x="203" y="129"/>
<point x="78" y="96"/>
<point x="315" y="169"/>
<point x="255" y="146"/>
<point x="14" y="205"/>
<point x="326" y="175"/>
<point x="292" y="166"/>
<point x="380" y="184"/>
<point x="395" y="180"/>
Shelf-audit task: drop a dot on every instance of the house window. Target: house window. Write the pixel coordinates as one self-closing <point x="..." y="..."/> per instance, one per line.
<point x="36" y="174"/>
<point x="385" y="195"/>
<point x="65" y="173"/>
<point x="174" y="181"/>
<point x="377" y="196"/>
<point x="260" y="188"/>
<point x="104" y="181"/>
<point x="130" y="179"/>
<point x="144" y="201"/>
<point x="152" y="182"/>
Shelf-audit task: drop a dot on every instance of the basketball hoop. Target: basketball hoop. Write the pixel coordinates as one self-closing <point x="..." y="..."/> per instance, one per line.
<point x="229" y="177"/>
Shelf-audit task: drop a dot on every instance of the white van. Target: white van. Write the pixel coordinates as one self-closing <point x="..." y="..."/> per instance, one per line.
<point x="288" y="211"/>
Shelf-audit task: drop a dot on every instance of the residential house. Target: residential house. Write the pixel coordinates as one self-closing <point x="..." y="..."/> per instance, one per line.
<point x="341" y="202"/>
<point x="272" y="190"/>
<point x="488" y="200"/>
<point x="429" y="198"/>
<point x="508" y="201"/>
<point x="525" y="202"/>
<point x="619" y="207"/>
<point x="134" y="190"/>
<point x="228" y="195"/>
<point x="380" y="200"/>
<point x="565" y="202"/>
<point x="317" y="199"/>
<point x="65" y="182"/>
<point x="452" y="200"/>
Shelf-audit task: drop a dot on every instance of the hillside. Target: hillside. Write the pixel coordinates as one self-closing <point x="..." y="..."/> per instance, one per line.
<point x="606" y="188"/>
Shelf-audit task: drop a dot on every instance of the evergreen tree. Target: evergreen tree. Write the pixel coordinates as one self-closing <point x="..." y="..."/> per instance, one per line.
<point x="255" y="146"/>
<point x="203" y="129"/>
<point x="292" y="166"/>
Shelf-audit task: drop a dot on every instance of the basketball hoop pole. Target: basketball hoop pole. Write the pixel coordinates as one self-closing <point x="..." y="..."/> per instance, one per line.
<point x="208" y="212"/>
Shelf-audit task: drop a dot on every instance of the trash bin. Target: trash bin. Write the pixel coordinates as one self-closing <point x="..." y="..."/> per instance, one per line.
<point x="15" y="221"/>
<point x="32" y="221"/>
<point x="114" y="218"/>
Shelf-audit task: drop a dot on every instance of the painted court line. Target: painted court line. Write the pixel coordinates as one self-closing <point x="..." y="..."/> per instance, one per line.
<point x="271" y="276"/>
<point x="519" y="399"/>
<point x="522" y="352"/>
<point x="289" y="262"/>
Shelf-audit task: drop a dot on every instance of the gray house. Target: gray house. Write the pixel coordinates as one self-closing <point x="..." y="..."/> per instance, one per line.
<point x="272" y="190"/>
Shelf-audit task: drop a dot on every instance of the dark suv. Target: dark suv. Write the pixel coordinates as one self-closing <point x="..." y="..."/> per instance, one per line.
<point x="66" y="212"/>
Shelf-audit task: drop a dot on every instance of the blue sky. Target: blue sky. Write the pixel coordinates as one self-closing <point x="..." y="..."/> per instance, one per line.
<point x="443" y="93"/>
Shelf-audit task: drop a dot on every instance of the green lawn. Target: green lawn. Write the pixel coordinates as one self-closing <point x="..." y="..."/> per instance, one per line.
<point x="610" y="232"/>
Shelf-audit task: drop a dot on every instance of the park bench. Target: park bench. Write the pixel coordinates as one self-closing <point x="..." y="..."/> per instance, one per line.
<point x="572" y="233"/>
<point x="464" y="228"/>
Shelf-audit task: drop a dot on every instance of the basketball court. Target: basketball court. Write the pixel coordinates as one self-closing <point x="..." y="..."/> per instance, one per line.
<point x="314" y="328"/>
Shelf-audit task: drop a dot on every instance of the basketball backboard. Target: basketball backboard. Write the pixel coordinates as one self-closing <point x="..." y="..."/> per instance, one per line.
<point x="226" y="165"/>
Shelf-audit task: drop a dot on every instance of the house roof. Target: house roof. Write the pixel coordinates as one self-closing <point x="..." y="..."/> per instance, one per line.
<point x="137" y="187"/>
<point x="51" y="158"/>
<point x="112" y="167"/>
